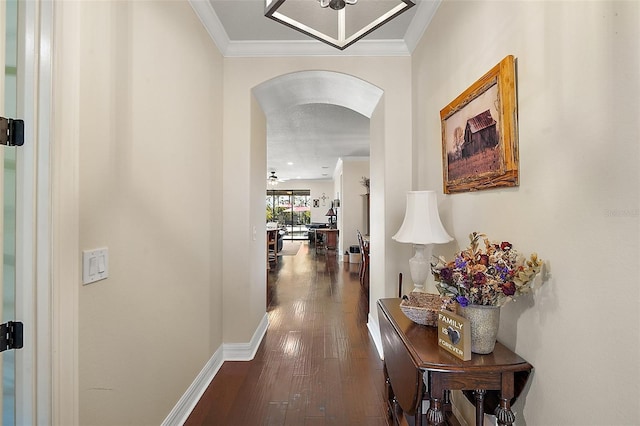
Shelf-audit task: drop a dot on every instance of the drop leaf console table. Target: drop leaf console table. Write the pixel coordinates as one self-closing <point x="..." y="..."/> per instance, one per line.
<point x="416" y="368"/>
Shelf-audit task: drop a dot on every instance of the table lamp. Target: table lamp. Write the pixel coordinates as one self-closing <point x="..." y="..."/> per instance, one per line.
<point x="422" y="228"/>
<point x="332" y="216"/>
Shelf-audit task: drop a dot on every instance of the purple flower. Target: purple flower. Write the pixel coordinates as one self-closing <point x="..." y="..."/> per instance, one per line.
<point x="462" y="301"/>
<point x="460" y="263"/>
<point x="503" y="271"/>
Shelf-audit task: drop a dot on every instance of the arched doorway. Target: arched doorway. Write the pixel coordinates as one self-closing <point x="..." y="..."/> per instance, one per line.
<point x="317" y="87"/>
<point x="323" y="117"/>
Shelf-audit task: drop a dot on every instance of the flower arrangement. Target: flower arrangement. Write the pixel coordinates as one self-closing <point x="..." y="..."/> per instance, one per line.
<point x="490" y="275"/>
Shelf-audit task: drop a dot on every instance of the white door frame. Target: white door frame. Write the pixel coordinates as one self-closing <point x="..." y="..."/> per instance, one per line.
<point x="33" y="231"/>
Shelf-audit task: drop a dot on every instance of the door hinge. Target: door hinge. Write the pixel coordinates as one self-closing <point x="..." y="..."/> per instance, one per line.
<point x="11" y="336"/>
<point x="11" y="132"/>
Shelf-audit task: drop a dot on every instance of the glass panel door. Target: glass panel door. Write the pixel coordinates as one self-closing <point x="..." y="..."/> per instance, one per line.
<point x="291" y="210"/>
<point x="300" y="215"/>
<point x="8" y="91"/>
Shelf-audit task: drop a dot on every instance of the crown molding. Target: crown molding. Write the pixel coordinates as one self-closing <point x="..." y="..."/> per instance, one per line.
<point x="425" y="10"/>
<point x="211" y="22"/>
<point x="267" y="48"/>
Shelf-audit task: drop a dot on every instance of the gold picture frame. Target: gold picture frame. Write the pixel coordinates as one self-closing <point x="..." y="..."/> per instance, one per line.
<point x="479" y="133"/>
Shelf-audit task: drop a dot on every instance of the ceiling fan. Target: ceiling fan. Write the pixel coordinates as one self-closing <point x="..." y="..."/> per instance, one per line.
<point x="273" y="180"/>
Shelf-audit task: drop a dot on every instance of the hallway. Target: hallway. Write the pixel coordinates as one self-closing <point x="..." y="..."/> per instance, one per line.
<point x="317" y="364"/>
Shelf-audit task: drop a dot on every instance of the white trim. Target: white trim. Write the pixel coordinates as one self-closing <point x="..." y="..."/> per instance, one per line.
<point x="43" y="218"/>
<point x="33" y="278"/>
<point x="211" y="22"/>
<point x="421" y="20"/>
<point x="64" y="187"/>
<point x="186" y="404"/>
<point x="374" y="330"/>
<point x="246" y="351"/>
<point x="268" y="48"/>
<point x="227" y="352"/>
<point x="461" y="418"/>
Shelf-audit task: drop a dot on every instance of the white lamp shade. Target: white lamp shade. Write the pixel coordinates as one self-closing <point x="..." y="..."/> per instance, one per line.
<point x="422" y="223"/>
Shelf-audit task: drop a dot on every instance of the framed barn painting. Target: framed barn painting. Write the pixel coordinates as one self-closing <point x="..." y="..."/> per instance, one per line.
<point x="479" y="133"/>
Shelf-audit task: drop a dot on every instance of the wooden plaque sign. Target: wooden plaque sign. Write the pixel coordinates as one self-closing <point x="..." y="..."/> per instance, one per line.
<point x="454" y="334"/>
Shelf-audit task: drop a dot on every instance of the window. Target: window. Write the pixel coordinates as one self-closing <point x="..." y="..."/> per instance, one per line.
<point x="291" y="210"/>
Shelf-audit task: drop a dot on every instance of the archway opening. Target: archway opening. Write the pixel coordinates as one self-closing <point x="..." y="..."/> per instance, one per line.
<point x="317" y="120"/>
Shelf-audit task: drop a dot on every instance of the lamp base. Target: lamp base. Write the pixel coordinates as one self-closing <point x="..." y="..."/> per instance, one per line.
<point x="419" y="267"/>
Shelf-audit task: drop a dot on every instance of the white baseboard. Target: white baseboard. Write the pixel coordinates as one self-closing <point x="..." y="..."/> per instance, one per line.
<point x="186" y="404"/>
<point x="374" y="330"/>
<point x="227" y="352"/>
<point x="246" y="351"/>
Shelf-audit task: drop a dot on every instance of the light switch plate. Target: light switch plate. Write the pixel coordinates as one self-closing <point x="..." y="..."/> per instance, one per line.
<point x="95" y="265"/>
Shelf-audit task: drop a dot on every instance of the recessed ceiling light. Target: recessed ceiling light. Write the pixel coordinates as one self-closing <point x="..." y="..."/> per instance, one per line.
<point x="290" y="163"/>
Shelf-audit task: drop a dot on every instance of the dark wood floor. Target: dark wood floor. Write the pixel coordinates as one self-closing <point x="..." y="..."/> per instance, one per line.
<point x="317" y="364"/>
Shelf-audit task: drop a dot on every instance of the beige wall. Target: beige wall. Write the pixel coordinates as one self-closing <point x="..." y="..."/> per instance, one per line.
<point x="242" y="283"/>
<point x="351" y="210"/>
<point x="148" y="129"/>
<point x="578" y="200"/>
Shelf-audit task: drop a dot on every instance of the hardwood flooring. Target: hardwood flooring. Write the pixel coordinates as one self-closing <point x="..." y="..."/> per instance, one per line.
<point x="317" y="364"/>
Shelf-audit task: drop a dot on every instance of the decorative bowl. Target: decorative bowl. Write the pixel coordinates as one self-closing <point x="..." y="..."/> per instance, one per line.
<point x="423" y="308"/>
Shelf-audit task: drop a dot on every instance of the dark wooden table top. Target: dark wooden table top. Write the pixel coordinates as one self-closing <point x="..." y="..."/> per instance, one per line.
<point x="422" y="343"/>
<point x="411" y="347"/>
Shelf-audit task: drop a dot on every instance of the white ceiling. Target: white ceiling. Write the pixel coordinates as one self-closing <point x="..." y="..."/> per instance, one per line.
<point x="306" y="141"/>
<point x="311" y="136"/>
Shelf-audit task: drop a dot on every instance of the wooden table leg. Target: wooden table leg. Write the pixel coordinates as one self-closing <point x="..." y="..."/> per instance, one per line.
<point x="418" y="418"/>
<point x="435" y="413"/>
<point x="479" y="394"/>
<point x="504" y="415"/>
